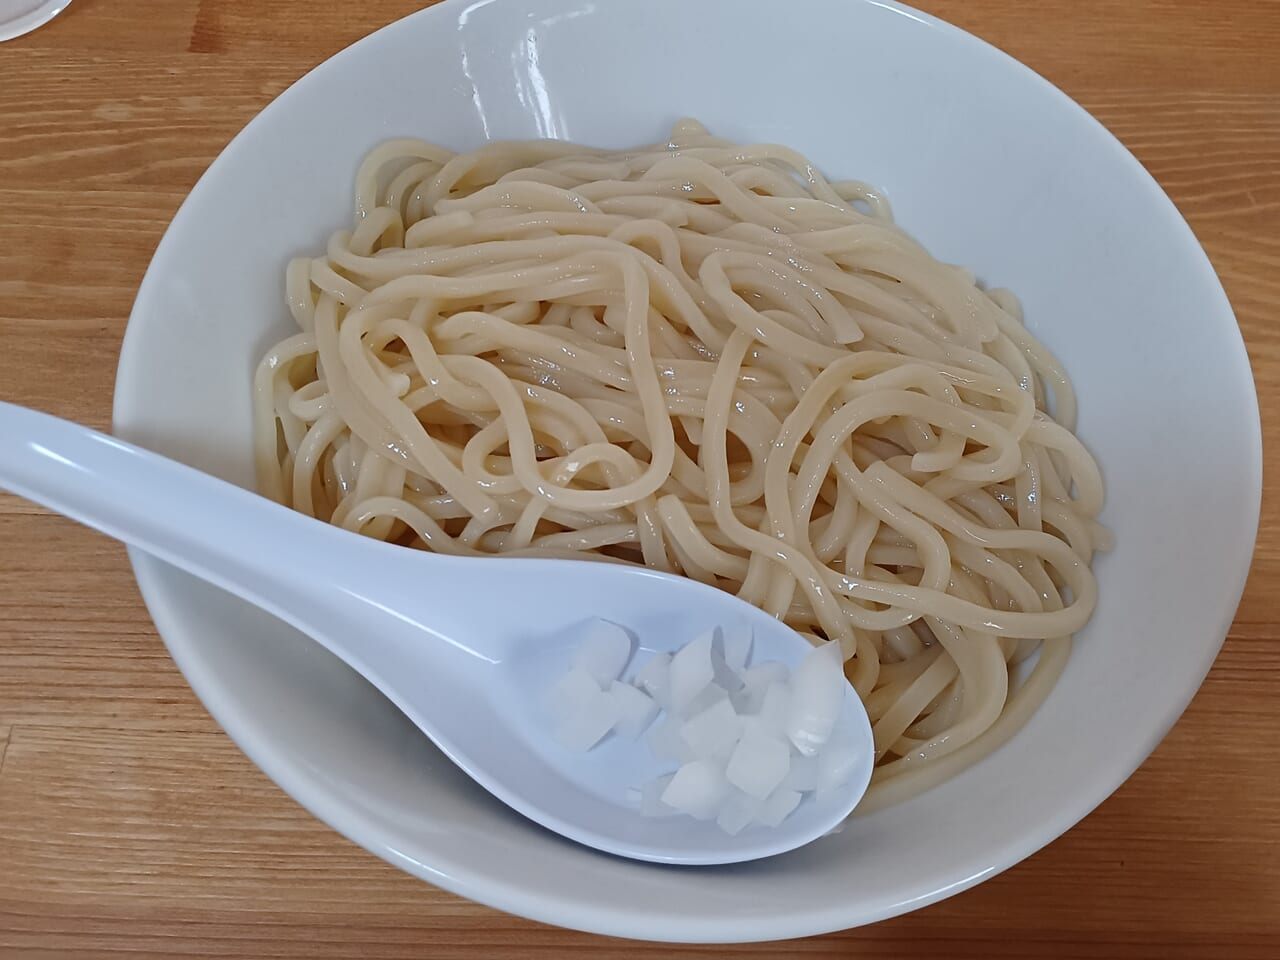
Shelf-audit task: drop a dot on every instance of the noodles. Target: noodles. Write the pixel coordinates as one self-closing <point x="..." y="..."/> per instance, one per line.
<point x="706" y="358"/>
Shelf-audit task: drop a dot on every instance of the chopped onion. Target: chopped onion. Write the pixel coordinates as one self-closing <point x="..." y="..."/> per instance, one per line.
<point x="691" y="671"/>
<point x="711" y="694"/>
<point x="803" y="775"/>
<point x="573" y="692"/>
<point x="749" y="741"/>
<point x="755" y="681"/>
<point x="698" y="788"/>
<point x="714" y="730"/>
<point x="651" y="804"/>
<point x="636" y="709"/>
<point x="585" y="723"/>
<point x="654" y="678"/>
<point x="604" y="651"/>
<point x="778" y="807"/>
<point x="737" y="812"/>
<point x="817" y="690"/>
<point x="666" y="742"/>
<point x="775" y="711"/>
<point x="758" y="765"/>
<point x="836" y="764"/>
<point x="723" y="675"/>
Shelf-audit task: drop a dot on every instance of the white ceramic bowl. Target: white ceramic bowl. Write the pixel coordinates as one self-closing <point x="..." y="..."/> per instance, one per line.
<point x="984" y="161"/>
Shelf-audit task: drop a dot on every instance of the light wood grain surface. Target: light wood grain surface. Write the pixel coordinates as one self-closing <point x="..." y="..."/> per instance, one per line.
<point x="131" y="826"/>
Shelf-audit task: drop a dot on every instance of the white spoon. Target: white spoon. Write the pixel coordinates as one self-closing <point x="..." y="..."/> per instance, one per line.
<point x="467" y="648"/>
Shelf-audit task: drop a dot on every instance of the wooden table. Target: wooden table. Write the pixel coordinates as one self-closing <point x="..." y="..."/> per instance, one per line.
<point x="130" y="825"/>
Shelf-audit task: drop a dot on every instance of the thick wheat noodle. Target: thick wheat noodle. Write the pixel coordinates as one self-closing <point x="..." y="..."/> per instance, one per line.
<point x="707" y="358"/>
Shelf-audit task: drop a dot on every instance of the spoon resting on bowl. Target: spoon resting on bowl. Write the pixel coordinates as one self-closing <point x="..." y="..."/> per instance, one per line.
<point x="465" y="647"/>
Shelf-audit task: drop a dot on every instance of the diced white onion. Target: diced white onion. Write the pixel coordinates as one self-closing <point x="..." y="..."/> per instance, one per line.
<point x="737" y="812"/>
<point x="778" y="807"/>
<point x="604" y="651"/>
<point x="758" y="765"/>
<point x="817" y="690"/>
<point x="690" y="671"/>
<point x="755" y="681"/>
<point x="723" y="675"/>
<point x="654" y="678"/>
<point x="636" y="709"/>
<point x="713" y="731"/>
<point x="775" y="711"/>
<point x="836" y="764"/>
<point x="585" y="723"/>
<point x="667" y="744"/>
<point x="749" y="740"/>
<point x="651" y="804"/>
<point x="572" y="692"/>
<point x="711" y="694"/>
<point x="803" y="775"/>
<point x="698" y="789"/>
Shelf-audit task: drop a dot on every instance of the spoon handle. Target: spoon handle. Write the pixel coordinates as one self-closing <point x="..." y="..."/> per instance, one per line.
<point x="224" y="534"/>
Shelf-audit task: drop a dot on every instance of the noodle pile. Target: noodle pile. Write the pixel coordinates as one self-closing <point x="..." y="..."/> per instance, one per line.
<point x="705" y="358"/>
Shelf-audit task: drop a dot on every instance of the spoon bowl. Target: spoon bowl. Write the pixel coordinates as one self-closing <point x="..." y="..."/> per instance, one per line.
<point x="466" y="647"/>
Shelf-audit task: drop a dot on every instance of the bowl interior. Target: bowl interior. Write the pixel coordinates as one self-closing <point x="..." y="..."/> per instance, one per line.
<point x="984" y="162"/>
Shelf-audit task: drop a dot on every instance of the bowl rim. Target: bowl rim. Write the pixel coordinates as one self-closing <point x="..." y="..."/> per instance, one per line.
<point x="624" y="920"/>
